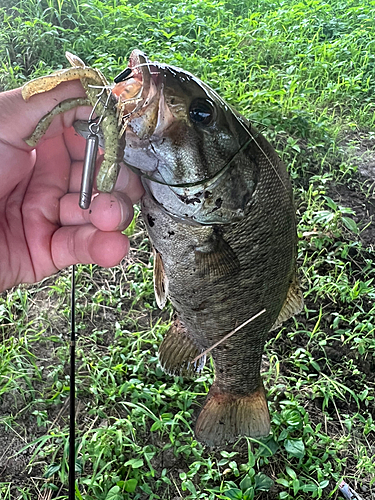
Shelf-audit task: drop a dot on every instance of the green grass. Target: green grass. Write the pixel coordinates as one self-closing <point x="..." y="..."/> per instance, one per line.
<point x="304" y="72"/>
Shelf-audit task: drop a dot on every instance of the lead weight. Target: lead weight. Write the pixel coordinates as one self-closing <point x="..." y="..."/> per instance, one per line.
<point x="87" y="181"/>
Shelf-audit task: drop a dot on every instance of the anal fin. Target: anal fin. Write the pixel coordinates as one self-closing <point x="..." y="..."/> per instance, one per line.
<point x="225" y="417"/>
<point x="178" y="350"/>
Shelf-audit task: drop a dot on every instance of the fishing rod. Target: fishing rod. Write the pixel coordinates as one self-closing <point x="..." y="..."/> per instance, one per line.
<point x="72" y="405"/>
<point x="92" y="143"/>
<point x="87" y="181"/>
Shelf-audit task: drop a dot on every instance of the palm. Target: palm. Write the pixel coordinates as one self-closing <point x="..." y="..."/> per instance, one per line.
<point x="29" y="214"/>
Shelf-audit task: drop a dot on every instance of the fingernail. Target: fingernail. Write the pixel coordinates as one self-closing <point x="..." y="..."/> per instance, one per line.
<point x="126" y="213"/>
<point x="123" y="179"/>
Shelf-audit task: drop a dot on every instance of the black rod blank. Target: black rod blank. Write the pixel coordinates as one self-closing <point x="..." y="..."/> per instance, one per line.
<point x="72" y="450"/>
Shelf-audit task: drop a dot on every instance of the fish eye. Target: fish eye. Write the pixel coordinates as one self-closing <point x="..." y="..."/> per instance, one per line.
<point x="201" y="111"/>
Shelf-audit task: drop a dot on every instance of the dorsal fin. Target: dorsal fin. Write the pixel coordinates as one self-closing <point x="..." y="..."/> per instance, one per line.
<point x="161" y="282"/>
<point x="293" y="303"/>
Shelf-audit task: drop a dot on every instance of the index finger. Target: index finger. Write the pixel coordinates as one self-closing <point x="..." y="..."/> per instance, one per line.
<point x="19" y="118"/>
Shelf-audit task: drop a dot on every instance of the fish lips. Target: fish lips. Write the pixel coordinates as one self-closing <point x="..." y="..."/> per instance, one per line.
<point x="138" y="99"/>
<point x="150" y="119"/>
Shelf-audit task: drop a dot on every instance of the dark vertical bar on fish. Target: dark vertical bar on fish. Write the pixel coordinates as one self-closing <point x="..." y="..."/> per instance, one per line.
<point x="88" y="171"/>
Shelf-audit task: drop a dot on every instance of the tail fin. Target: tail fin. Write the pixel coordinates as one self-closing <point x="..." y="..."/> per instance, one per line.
<point x="225" y="417"/>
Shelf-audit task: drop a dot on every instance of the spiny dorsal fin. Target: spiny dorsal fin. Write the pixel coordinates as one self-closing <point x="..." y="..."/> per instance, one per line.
<point x="161" y="282"/>
<point x="216" y="257"/>
<point x="177" y="351"/>
<point x="293" y="303"/>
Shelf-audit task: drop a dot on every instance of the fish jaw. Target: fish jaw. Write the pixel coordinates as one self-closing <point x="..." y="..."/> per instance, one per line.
<point x="182" y="161"/>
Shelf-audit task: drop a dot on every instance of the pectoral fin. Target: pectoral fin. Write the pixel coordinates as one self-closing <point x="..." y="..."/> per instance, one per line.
<point x="216" y="257"/>
<point x="161" y="282"/>
<point x="293" y="303"/>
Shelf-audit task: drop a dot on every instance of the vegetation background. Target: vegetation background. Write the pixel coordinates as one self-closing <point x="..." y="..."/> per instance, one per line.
<point x="304" y="71"/>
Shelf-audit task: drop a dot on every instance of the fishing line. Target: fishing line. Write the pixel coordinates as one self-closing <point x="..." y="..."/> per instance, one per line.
<point x="84" y="203"/>
<point x="127" y="72"/>
<point x="203" y="182"/>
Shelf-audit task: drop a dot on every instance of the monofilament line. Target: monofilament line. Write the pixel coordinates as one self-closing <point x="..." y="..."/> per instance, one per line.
<point x="72" y="457"/>
<point x="228" y="335"/>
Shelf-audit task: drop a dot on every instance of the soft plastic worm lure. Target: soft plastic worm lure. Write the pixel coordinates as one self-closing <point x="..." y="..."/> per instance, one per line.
<point x="105" y="106"/>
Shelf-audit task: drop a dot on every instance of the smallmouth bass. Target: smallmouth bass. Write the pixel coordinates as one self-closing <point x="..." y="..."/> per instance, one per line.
<point x="220" y="215"/>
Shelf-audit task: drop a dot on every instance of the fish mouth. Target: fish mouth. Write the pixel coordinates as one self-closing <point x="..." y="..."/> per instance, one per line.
<point x="141" y="101"/>
<point x="139" y="88"/>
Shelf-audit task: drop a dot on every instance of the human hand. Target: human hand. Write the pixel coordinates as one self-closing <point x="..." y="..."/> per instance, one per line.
<point x="42" y="228"/>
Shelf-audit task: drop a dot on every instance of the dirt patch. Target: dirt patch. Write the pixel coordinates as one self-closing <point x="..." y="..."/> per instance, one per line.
<point x="359" y="194"/>
<point x="359" y="149"/>
<point x="363" y="205"/>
